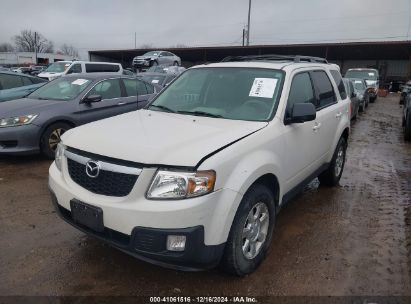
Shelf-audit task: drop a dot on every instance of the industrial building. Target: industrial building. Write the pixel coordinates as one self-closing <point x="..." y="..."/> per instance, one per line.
<point x="28" y="58"/>
<point x="391" y="58"/>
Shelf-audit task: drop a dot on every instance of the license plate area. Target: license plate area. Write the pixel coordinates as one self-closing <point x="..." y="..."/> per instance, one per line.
<point x="87" y="215"/>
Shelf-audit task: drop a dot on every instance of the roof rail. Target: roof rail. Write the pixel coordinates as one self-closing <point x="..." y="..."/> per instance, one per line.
<point x="274" y="57"/>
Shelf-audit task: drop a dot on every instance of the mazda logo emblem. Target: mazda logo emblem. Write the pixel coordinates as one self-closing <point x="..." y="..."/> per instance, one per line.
<point x="92" y="168"/>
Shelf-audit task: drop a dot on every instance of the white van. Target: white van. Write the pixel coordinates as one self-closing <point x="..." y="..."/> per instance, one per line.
<point x="61" y="68"/>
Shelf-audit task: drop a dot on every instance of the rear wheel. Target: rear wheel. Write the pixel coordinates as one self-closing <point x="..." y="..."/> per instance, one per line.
<point x="175" y="63"/>
<point x="251" y="232"/>
<point x="51" y="138"/>
<point x="332" y="175"/>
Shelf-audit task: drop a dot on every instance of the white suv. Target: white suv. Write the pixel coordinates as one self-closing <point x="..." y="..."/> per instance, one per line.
<point x="196" y="179"/>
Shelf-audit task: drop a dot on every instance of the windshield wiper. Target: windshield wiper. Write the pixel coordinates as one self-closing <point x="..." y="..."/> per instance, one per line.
<point x="163" y="108"/>
<point x="201" y="113"/>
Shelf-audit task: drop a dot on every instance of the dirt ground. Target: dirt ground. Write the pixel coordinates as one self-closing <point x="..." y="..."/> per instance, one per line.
<point x="354" y="239"/>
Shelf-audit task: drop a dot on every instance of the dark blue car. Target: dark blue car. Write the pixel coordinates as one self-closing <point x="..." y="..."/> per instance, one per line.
<point x="17" y="85"/>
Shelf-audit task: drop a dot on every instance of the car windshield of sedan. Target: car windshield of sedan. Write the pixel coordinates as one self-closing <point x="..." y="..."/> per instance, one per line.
<point x="157" y="79"/>
<point x="152" y="53"/>
<point x="363" y="74"/>
<point x="58" y="67"/>
<point x="61" y="89"/>
<point x="230" y="93"/>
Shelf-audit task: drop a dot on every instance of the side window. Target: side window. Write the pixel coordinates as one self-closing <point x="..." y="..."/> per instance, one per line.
<point x="301" y="91"/>
<point x="10" y="81"/>
<point x="37" y="80"/>
<point x="141" y="88"/>
<point x="108" y="89"/>
<point x="150" y="88"/>
<point x="326" y="94"/>
<point x="338" y="80"/>
<point x="131" y="86"/>
<point x="76" y="68"/>
<point x="26" y="81"/>
<point x="351" y="88"/>
<point x="100" y="67"/>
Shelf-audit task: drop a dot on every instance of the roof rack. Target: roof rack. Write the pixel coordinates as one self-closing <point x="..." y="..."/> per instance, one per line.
<point x="274" y="57"/>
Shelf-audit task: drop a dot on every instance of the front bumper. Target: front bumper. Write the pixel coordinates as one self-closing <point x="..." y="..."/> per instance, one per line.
<point x="141" y="63"/>
<point x="149" y="244"/>
<point x="20" y="140"/>
<point x="205" y="220"/>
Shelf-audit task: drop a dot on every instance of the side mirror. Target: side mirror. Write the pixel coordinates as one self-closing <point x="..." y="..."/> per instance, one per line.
<point x="301" y="112"/>
<point x="92" y="98"/>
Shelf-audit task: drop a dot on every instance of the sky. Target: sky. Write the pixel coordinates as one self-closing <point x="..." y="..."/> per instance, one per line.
<point x="114" y="24"/>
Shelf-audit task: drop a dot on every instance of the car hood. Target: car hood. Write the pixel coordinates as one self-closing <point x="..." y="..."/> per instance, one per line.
<point x="24" y="106"/>
<point x="48" y="74"/>
<point x="158" y="138"/>
<point x="144" y="57"/>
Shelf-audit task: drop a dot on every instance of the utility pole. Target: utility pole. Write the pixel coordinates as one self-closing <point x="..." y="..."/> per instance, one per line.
<point x="243" y="36"/>
<point x="135" y="40"/>
<point x="35" y="46"/>
<point x="248" y="24"/>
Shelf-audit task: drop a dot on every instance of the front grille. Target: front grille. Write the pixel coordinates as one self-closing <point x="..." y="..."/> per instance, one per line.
<point x="108" y="183"/>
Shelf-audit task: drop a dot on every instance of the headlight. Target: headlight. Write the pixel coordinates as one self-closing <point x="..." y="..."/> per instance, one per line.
<point x="17" y="121"/>
<point x="59" y="155"/>
<point x="179" y="185"/>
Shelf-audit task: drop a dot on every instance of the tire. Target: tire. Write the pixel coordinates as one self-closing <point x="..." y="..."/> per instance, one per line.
<point x="372" y="100"/>
<point x="237" y="260"/>
<point x="407" y="128"/>
<point x="356" y="113"/>
<point x="332" y="175"/>
<point x="362" y="108"/>
<point x="51" y="137"/>
<point x="175" y="63"/>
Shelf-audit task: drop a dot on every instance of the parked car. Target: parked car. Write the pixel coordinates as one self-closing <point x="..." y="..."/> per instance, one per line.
<point x="16" y="85"/>
<point x="37" y="69"/>
<point x="371" y="77"/>
<point x="161" y="79"/>
<point x="154" y="58"/>
<point x="361" y="90"/>
<point x="35" y="123"/>
<point x="4" y="69"/>
<point x="166" y="69"/>
<point x="55" y="70"/>
<point x="197" y="178"/>
<point x="353" y="96"/>
<point x="78" y="67"/>
<point x="406" y="119"/>
<point x="23" y="70"/>
<point x="406" y="89"/>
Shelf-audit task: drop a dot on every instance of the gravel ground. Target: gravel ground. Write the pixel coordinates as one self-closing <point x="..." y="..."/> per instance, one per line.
<point x="354" y="239"/>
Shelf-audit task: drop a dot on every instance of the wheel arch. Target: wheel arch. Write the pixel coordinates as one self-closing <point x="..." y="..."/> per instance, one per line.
<point x="52" y="122"/>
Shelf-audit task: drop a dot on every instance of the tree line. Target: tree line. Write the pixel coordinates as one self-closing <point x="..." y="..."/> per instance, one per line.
<point x="31" y="41"/>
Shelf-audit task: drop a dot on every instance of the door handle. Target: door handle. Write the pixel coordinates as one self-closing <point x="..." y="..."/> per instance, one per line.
<point x="317" y="126"/>
<point x="121" y="103"/>
<point x="338" y="115"/>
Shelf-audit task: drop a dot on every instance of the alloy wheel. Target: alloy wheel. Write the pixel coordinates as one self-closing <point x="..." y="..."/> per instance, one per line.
<point x="55" y="138"/>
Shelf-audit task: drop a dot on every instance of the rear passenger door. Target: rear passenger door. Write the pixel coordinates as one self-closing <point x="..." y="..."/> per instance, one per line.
<point x="112" y="104"/>
<point x="137" y="92"/>
<point x="328" y="112"/>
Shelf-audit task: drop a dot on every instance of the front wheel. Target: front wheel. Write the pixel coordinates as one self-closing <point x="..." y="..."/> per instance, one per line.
<point x="51" y="138"/>
<point x="332" y="175"/>
<point x="251" y="232"/>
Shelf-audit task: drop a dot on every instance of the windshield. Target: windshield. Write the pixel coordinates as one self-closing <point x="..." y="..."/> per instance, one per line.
<point x="359" y="85"/>
<point x="152" y="53"/>
<point x="363" y="74"/>
<point x="231" y="93"/>
<point x="58" y="67"/>
<point x="61" y="89"/>
<point x="158" y="79"/>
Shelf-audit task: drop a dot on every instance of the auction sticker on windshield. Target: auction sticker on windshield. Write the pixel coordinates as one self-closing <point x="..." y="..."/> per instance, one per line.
<point x="263" y="87"/>
<point x="79" y="81"/>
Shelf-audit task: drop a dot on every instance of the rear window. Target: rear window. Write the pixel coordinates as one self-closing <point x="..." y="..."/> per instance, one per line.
<point x="363" y="74"/>
<point x="98" y="67"/>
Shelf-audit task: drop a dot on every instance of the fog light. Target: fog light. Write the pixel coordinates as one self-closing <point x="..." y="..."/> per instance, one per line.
<point x="176" y="242"/>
